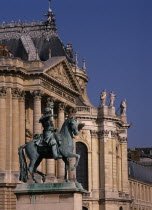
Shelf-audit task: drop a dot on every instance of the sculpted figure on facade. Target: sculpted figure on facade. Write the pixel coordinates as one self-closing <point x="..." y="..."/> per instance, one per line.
<point x="103" y="97"/>
<point x="123" y="107"/>
<point x="112" y="99"/>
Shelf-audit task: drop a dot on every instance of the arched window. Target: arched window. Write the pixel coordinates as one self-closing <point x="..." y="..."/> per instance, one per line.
<point x="82" y="169"/>
<point x="121" y="208"/>
<point x="84" y="208"/>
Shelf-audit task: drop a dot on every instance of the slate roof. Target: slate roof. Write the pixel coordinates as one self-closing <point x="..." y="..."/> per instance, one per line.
<point x="140" y="172"/>
<point x="43" y="35"/>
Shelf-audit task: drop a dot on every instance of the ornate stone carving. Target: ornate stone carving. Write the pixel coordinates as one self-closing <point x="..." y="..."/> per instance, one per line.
<point x="58" y="91"/>
<point x="104" y="133"/>
<point x="50" y="99"/>
<point x="37" y="94"/>
<point x="3" y="91"/>
<point x="93" y="133"/>
<point x="114" y="134"/>
<point x="59" y="73"/>
<point x="22" y="95"/>
<point x="61" y="106"/>
<point x="82" y="84"/>
<point x="83" y="135"/>
<point x="123" y="139"/>
<point x="122" y="131"/>
<point x="16" y="92"/>
<point x="71" y="112"/>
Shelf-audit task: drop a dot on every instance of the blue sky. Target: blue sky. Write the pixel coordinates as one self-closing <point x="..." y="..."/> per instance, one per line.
<point x="115" y="37"/>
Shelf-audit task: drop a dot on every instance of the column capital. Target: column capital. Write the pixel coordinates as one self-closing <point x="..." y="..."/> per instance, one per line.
<point x="50" y="99"/>
<point x="93" y="133"/>
<point x="61" y="106"/>
<point x="22" y="95"/>
<point x="16" y="92"/>
<point x="103" y="133"/>
<point x="114" y="134"/>
<point x="3" y="92"/>
<point x="123" y="139"/>
<point x="71" y="111"/>
<point x="37" y="94"/>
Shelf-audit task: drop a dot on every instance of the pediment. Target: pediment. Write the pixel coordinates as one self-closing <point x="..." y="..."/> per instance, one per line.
<point x="59" y="73"/>
<point x="59" y="69"/>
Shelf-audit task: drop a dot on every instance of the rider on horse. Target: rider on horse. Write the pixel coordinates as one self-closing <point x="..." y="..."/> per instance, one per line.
<point x="49" y="136"/>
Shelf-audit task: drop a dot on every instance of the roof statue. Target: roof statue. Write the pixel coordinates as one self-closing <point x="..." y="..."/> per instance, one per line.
<point x="112" y="99"/>
<point x="123" y="107"/>
<point x="103" y="97"/>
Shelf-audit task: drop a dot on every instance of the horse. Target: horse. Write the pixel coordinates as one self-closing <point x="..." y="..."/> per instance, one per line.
<point x="70" y="128"/>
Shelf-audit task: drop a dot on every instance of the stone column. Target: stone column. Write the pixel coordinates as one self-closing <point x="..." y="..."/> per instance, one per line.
<point x="9" y="129"/>
<point x="95" y="163"/>
<point x="50" y="163"/>
<point x="37" y="129"/>
<point x="125" y="187"/>
<point x="22" y="118"/>
<point x="2" y="128"/>
<point x="15" y="128"/>
<point x="37" y="111"/>
<point x="61" y="118"/>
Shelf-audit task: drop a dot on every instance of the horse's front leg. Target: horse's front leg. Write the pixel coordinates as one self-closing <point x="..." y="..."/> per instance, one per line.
<point x="41" y="174"/>
<point x="71" y="155"/>
<point x="77" y="161"/>
<point x="66" y="161"/>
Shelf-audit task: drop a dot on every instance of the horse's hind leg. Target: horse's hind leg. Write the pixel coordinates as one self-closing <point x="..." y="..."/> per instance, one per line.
<point x="31" y="170"/>
<point x="39" y="172"/>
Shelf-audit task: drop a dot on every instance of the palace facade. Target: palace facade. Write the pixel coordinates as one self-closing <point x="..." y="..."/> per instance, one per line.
<point x="36" y="68"/>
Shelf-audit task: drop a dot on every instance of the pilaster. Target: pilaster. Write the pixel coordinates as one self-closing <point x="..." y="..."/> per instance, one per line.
<point x="22" y="118"/>
<point x="37" y="94"/>
<point x="15" y="128"/>
<point x="50" y="163"/>
<point x="2" y="128"/>
<point x="61" y="118"/>
<point x="95" y="161"/>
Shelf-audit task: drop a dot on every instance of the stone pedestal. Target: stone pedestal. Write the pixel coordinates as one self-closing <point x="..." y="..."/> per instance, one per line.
<point x="54" y="196"/>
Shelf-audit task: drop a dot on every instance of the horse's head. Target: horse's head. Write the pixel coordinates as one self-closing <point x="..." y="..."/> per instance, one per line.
<point x="74" y="125"/>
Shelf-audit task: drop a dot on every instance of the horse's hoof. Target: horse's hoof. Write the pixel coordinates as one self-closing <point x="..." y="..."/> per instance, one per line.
<point x="43" y="179"/>
<point x="72" y="168"/>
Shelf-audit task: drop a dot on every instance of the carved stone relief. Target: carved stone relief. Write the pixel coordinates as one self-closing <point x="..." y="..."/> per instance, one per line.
<point x="59" y="73"/>
<point x="3" y="91"/>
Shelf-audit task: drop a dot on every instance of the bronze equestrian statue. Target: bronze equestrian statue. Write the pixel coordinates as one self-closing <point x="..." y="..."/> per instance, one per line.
<point x="49" y="145"/>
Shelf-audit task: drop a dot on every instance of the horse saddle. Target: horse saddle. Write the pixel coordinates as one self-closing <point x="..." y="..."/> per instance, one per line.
<point x="38" y="140"/>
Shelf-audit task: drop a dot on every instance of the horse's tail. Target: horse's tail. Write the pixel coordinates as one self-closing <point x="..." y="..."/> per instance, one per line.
<point x="23" y="165"/>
